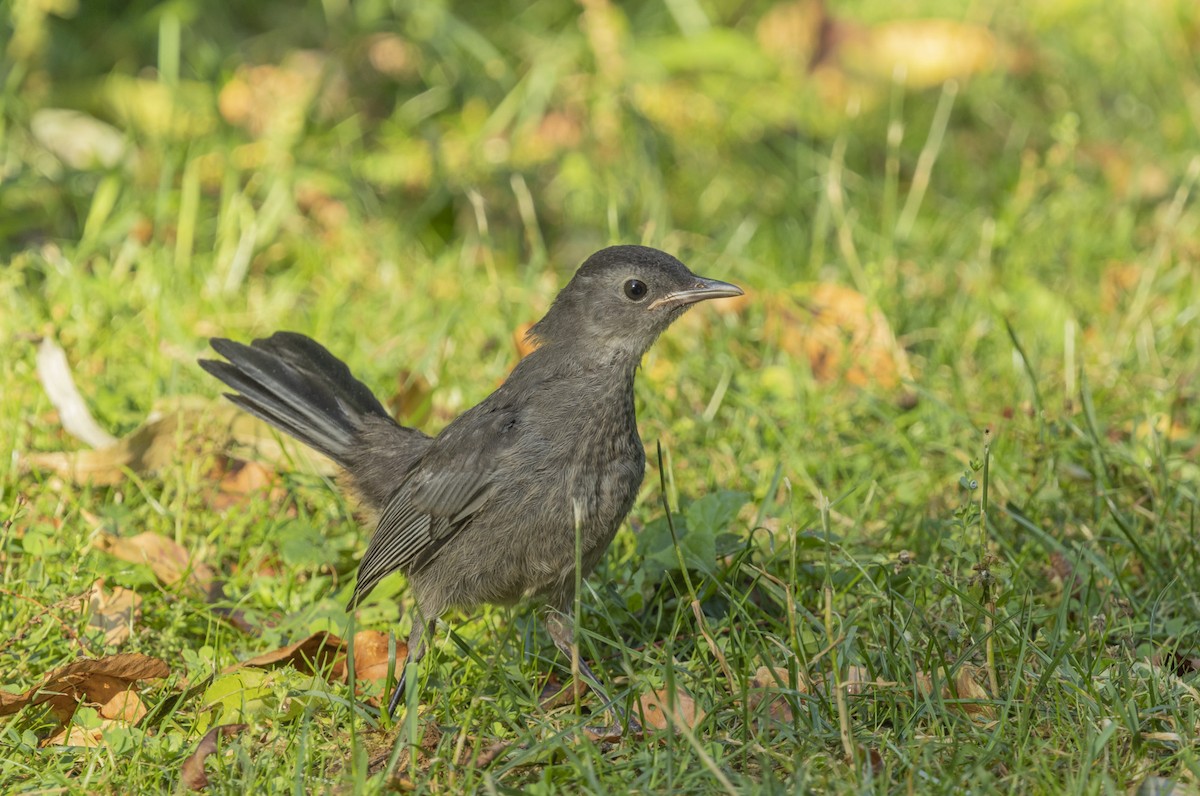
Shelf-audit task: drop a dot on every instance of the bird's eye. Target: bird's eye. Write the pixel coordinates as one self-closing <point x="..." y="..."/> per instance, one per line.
<point x="636" y="290"/>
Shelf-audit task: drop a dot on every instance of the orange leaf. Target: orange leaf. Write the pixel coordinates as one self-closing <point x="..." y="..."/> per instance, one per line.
<point x="125" y="707"/>
<point x="371" y="655"/>
<point x="655" y="712"/>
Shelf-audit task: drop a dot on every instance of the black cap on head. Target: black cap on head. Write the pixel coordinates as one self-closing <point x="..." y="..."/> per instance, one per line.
<point x="621" y="299"/>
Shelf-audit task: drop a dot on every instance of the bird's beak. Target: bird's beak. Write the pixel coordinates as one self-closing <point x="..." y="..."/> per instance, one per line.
<point x="702" y="290"/>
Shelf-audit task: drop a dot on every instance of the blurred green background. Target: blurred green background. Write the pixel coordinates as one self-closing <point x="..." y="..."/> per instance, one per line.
<point x="950" y="219"/>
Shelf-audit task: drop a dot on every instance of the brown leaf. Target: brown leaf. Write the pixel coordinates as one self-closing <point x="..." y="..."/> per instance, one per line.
<point x="873" y="764"/>
<point x="125" y="707"/>
<point x="237" y="480"/>
<point x="192" y="774"/>
<point x="242" y="478"/>
<point x="841" y="336"/>
<point x="371" y="659"/>
<point x="76" y="735"/>
<point x="766" y="686"/>
<point x="115" y="612"/>
<point x="180" y="428"/>
<point x="965" y="687"/>
<point x="93" y="680"/>
<point x="311" y="655"/>
<point x="654" y="710"/>
<point x="146" y="450"/>
<point x="170" y="561"/>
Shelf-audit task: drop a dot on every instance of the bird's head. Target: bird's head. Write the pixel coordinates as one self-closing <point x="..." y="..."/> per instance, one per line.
<point x="620" y="300"/>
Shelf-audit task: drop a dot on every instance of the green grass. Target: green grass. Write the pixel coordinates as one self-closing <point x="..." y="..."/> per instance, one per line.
<point x="1029" y="234"/>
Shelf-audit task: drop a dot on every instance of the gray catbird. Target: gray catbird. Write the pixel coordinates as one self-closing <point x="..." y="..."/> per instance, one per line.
<point x="489" y="509"/>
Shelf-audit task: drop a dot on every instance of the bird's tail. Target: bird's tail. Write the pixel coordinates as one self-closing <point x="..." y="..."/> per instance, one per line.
<point x="295" y="384"/>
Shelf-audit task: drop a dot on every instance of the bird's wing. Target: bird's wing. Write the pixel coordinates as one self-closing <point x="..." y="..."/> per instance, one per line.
<point x="440" y="496"/>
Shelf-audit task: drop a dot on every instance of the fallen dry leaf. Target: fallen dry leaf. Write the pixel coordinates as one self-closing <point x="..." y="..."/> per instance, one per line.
<point x="237" y="480"/>
<point x="653" y="710"/>
<point x="1154" y="785"/>
<point x="858" y="680"/>
<point x="181" y="428"/>
<point x="75" y="735"/>
<point x="55" y="375"/>
<point x="323" y="653"/>
<point x="92" y="680"/>
<point x="767" y="685"/>
<point x="311" y="655"/>
<point x="192" y="774"/>
<point x="487" y="756"/>
<point x="371" y="656"/>
<point x="125" y="707"/>
<point x="114" y="611"/>
<point x="146" y="450"/>
<point x="170" y="561"/>
<point x="841" y="336"/>
<point x="965" y="687"/>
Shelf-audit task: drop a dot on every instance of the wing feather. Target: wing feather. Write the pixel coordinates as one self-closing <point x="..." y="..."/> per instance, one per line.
<point x="441" y="495"/>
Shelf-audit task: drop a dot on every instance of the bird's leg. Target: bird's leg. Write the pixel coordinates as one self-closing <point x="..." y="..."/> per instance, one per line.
<point x="416" y="650"/>
<point x="558" y="625"/>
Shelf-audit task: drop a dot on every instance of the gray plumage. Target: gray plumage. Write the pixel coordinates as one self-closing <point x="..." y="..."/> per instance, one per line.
<point x="486" y="512"/>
